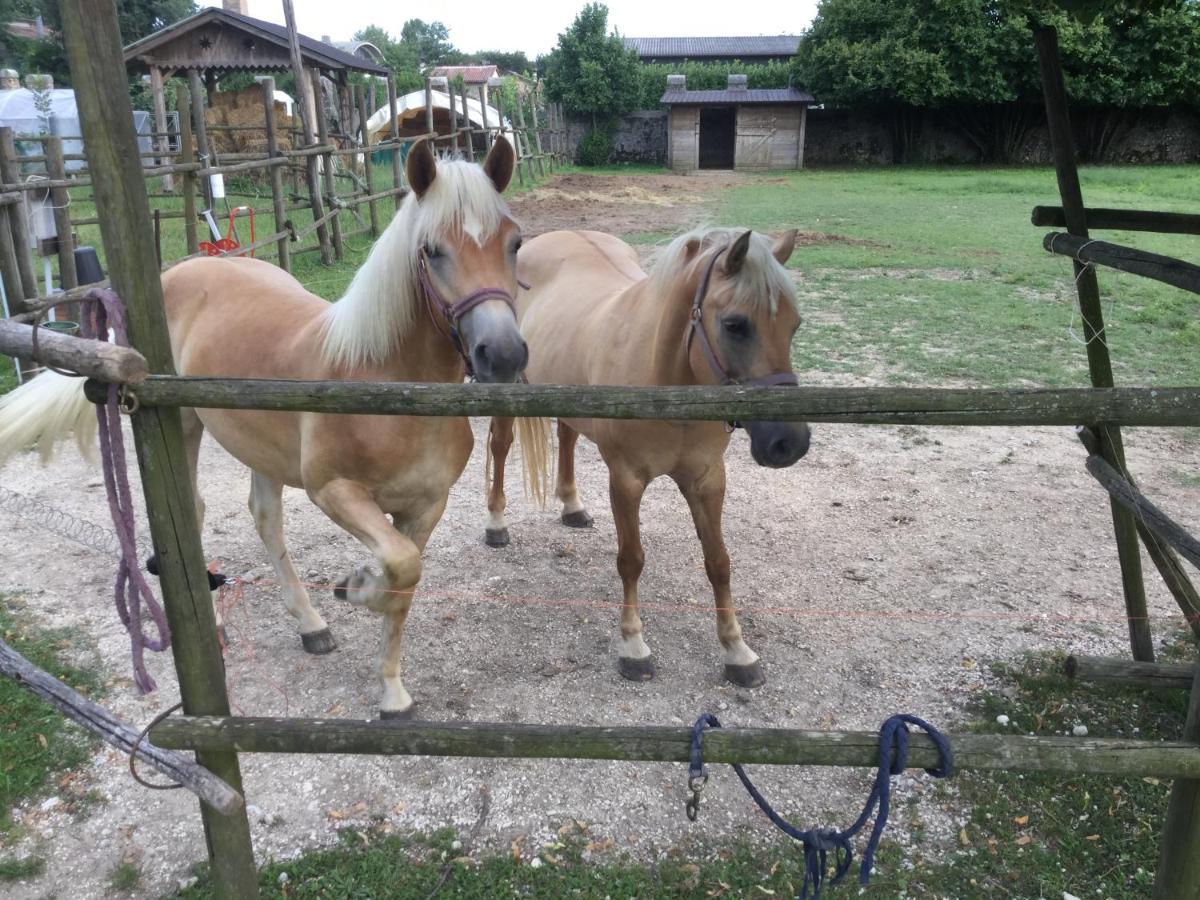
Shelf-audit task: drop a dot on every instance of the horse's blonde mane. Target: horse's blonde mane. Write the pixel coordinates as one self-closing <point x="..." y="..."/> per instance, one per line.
<point x="761" y="282"/>
<point x="367" y="325"/>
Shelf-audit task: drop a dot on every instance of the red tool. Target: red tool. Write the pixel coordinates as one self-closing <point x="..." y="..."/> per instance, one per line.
<point x="219" y="246"/>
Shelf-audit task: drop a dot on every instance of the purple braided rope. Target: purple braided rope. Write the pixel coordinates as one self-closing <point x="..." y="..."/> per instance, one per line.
<point x="102" y="310"/>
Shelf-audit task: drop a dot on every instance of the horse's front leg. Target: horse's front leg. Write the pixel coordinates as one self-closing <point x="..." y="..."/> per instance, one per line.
<point x="500" y="440"/>
<point x="388" y="593"/>
<point x="705" y="495"/>
<point x="625" y="489"/>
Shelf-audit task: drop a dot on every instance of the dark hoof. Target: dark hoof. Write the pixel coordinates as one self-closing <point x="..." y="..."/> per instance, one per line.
<point x="495" y="537"/>
<point x="397" y="715"/>
<point x="318" y="642"/>
<point x="750" y="676"/>
<point x="152" y="565"/>
<point x="636" y="669"/>
<point x="577" y="519"/>
<point x="339" y="590"/>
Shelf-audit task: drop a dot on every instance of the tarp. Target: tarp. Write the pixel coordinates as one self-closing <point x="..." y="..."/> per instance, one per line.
<point x="19" y="111"/>
<point x="410" y="111"/>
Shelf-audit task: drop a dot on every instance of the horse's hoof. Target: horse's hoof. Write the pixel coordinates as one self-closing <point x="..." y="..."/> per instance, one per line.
<point x="640" y="669"/>
<point x="398" y="715"/>
<point x="748" y="676"/>
<point x="152" y="564"/>
<point x="318" y="642"/>
<point x="496" y="537"/>
<point x="578" y="519"/>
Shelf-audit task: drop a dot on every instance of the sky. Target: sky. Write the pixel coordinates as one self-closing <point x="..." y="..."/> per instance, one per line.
<point x="533" y="25"/>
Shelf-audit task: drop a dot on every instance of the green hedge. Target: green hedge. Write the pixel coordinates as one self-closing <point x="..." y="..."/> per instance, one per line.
<point x="652" y="77"/>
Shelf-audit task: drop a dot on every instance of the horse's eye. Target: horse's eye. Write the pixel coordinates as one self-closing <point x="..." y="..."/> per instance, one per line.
<point x="431" y="251"/>
<point x="516" y="245"/>
<point x="736" y="326"/>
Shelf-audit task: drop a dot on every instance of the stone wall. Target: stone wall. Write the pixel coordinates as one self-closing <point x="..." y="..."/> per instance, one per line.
<point x="641" y="137"/>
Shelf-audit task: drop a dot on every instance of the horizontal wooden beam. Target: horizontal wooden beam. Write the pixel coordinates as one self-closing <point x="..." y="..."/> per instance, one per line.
<point x="767" y="746"/>
<point x="872" y="406"/>
<point x="1128" y="672"/>
<point x="1122" y="220"/>
<point x="1166" y="269"/>
<point x="95" y="359"/>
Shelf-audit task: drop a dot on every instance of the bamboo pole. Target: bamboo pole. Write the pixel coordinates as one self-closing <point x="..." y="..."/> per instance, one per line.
<point x="368" y="164"/>
<point x="10" y="173"/>
<point x="1179" y="863"/>
<point x="200" y="131"/>
<point x="1147" y="407"/>
<point x="93" y="41"/>
<point x="183" y="103"/>
<point x="60" y="199"/>
<point x="1122" y="220"/>
<point x="335" y="222"/>
<point x="1128" y="673"/>
<point x="1099" y="364"/>
<point x="1166" y="269"/>
<point x="650" y="743"/>
<point x="277" y="199"/>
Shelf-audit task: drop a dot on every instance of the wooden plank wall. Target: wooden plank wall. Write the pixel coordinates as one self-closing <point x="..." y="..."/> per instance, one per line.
<point x="768" y="137"/>
<point x="683" y="138"/>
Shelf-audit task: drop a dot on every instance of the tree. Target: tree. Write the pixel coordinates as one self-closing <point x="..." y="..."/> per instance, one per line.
<point x="429" y="42"/>
<point x="590" y="72"/>
<point x="504" y="60"/>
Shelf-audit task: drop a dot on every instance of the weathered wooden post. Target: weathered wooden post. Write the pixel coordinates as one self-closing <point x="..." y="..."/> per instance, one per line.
<point x="537" y="131"/>
<point x="327" y="159"/>
<point x="10" y="173"/>
<point x="60" y="199"/>
<point x="161" y="141"/>
<point x="1179" y="863"/>
<point x="368" y="164"/>
<point x="11" y="209"/>
<point x="483" y="113"/>
<point x="516" y="144"/>
<point x="276" y="173"/>
<point x="394" y="130"/>
<point x="469" y="132"/>
<point x="187" y="155"/>
<point x="307" y="113"/>
<point x="93" y="42"/>
<point x="453" y="115"/>
<point x="1099" y="364"/>
<point x="200" y="131"/>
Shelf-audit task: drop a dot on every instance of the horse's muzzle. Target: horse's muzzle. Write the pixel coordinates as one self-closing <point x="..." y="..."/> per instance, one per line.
<point x="777" y="445"/>
<point x="500" y="359"/>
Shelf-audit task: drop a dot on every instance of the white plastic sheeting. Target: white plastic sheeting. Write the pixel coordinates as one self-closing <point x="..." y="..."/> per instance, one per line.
<point x="412" y="106"/>
<point x="19" y="111"/>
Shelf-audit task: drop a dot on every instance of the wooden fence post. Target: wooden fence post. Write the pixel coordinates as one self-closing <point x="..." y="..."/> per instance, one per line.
<point x="10" y="173"/>
<point x="469" y="134"/>
<point x="200" y="132"/>
<point x="60" y="199"/>
<point x="537" y="132"/>
<point x="453" y="115"/>
<point x="516" y="144"/>
<point x="1099" y="364"/>
<point x="187" y="155"/>
<point x="1179" y="863"/>
<point x="13" y="288"/>
<point x="276" y="174"/>
<point x="93" y="42"/>
<point x="335" y="221"/>
<point x="161" y="141"/>
<point x="394" y="130"/>
<point x="488" y="140"/>
<point x="312" y="167"/>
<point x="368" y="164"/>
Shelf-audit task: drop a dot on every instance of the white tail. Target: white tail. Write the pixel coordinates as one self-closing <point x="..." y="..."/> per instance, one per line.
<point x="43" y="411"/>
<point x="533" y="435"/>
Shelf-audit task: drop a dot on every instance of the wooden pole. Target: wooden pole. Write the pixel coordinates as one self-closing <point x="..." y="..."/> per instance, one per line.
<point x="161" y="141"/>
<point x="430" y="129"/>
<point x="394" y="130"/>
<point x="512" y="131"/>
<point x="1179" y="863"/>
<point x="523" y="137"/>
<point x="483" y="108"/>
<point x="93" y="41"/>
<point x="10" y="174"/>
<point x="200" y="131"/>
<point x="800" y="139"/>
<point x="1127" y="673"/>
<point x="1166" y="269"/>
<point x="665" y="743"/>
<point x="13" y="289"/>
<point x="368" y="164"/>
<point x="858" y="406"/>
<point x="308" y="112"/>
<point x="468" y="131"/>
<point x="335" y="222"/>
<point x="1122" y="220"/>
<point x="1099" y="364"/>
<point x="453" y="115"/>
<point x="283" y="248"/>
<point x="187" y="155"/>
<point x="537" y="132"/>
<point x="60" y="198"/>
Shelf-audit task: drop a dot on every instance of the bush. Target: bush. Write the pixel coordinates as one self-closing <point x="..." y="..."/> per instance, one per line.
<point x="596" y="148"/>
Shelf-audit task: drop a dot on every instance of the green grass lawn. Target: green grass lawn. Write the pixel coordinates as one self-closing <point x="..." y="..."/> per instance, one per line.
<point x="935" y="275"/>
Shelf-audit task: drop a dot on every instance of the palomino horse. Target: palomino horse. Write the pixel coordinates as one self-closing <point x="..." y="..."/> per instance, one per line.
<point x="433" y="301"/>
<point x="719" y="307"/>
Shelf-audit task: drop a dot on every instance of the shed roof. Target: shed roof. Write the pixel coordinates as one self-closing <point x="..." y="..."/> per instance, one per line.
<point x="724" y="47"/>
<point x="470" y="74"/>
<point x="761" y="96"/>
<point x="170" y="46"/>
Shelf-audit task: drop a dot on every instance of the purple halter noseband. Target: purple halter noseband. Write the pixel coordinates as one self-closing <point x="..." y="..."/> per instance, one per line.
<point x="452" y="313"/>
<point x="696" y="329"/>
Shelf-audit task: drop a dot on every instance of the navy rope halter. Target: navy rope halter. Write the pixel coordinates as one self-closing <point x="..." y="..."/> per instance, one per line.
<point x="819" y="842"/>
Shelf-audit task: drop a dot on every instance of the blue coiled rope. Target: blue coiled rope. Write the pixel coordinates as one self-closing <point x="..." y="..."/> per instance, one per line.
<point x="819" y="842"/>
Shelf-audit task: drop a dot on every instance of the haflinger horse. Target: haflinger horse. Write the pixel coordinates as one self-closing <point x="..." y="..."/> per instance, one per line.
<point x="432" y="302"/>
<point x="718" y="308"/>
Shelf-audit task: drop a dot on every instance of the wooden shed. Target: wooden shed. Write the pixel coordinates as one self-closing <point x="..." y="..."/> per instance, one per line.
<point x="735" y="128"/>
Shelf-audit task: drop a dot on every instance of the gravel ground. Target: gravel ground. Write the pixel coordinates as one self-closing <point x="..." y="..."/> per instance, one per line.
<point x="883" y="573"/>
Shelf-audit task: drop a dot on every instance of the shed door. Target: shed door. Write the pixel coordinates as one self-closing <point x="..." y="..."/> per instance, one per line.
<point x="756" y="129"/>
<point x="716" y="137"/>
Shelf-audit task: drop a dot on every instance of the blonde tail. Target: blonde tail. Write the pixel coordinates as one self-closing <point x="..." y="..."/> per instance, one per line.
<point x="534" y="437"/>
<point x="43" y="411"/>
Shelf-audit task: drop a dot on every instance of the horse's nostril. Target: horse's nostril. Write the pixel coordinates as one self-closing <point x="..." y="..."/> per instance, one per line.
<point x="780" y="449"/>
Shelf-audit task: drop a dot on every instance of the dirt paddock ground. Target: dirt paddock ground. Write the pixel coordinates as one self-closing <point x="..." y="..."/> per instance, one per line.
<point x="881" y="574"/>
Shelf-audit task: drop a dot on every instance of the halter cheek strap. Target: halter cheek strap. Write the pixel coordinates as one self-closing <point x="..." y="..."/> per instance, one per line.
<point x="450" y="314"/>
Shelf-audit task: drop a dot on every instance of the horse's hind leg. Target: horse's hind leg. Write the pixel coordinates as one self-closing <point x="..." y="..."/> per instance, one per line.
<point x="500" y="439"/>
<point x="573" y="513"/>
<point x="266" y="505"/>
<point x="625" y="490"/>
<point x="705" y="495"/>
<point x="390" y="594"/>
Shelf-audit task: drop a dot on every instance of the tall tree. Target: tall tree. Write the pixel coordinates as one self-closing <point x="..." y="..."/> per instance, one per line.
<point x="590" y="72"/>
<point x="428" y="41"/>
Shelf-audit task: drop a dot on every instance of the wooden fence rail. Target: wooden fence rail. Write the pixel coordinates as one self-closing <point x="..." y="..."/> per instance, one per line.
<point x="1166" y="269"/>
<point x="1121" y="220"/>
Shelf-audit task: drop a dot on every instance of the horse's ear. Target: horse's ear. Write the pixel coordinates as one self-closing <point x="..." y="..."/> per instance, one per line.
<point x="691" y="248"/>
<point x="421" y="167"/>
<point x="500" y="163"/>
<point x="783" y="246"/>
<point x="735" y="256"/>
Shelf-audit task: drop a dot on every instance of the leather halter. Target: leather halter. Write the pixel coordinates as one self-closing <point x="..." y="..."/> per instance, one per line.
<point x="452" y="313"/>
<point x="696" y="329"/>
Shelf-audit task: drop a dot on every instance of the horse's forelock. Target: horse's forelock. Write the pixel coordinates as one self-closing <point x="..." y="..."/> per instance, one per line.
<point x="461" y="198"/>
<point x="761" y="281"/>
